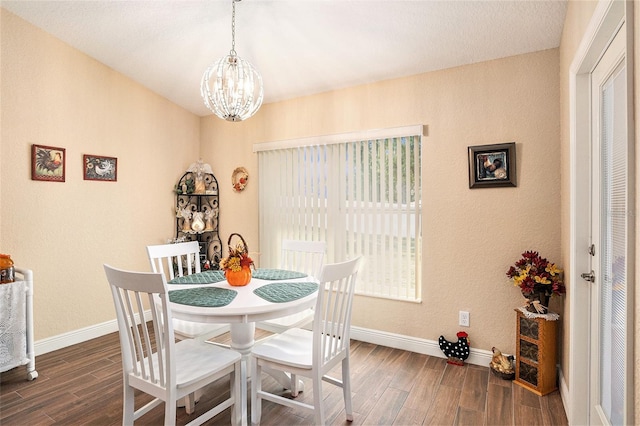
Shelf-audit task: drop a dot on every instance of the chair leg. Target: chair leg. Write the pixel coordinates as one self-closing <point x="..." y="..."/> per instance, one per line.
<point x="128" y="405"/>
<point x="256" y="387"/>
<point x="242" y="382"/>
<point x="294" y="386"/>
<point x="318" y="400"/>
<point x="346" y="388"/>
<point x="190" y="403"/>
<point x="170" y="410"/>
<point x="236" y="392"/>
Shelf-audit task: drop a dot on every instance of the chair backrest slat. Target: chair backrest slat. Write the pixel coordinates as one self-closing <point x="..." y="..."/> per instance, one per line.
<point x="173" y="260"/>
<point x="303" y="256"/>
<point x="333" y="309"/>
<point x="129" y="341"/>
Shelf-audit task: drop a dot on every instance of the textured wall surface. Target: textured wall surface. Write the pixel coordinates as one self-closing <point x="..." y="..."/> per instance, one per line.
<point x="53" y="95"/>
<point x="471" y="236"/>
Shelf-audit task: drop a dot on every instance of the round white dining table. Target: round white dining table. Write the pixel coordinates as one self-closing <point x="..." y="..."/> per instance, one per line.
<point x="244" y="310"/>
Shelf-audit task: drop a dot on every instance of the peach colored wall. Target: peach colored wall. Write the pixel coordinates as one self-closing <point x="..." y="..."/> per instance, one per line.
<point x="471" y="237"/>
<point x="53" y="95"/>
<point x="636" y="41"/>
<point x="636" y="52"/>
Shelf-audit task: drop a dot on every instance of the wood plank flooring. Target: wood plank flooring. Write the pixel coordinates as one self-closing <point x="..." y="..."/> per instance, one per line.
<point x="82" y="385"/>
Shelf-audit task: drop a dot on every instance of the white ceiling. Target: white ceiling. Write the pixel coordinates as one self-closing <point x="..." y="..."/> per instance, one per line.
<point x="300" y="47"/>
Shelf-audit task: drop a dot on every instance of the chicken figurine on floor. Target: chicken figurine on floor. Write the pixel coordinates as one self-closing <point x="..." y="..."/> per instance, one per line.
<point x="456" y="352"/>
<point x="502" y="365"/>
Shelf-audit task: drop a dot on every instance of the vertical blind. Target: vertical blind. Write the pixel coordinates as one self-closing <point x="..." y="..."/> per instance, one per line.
<point x="613" y="291"/>
<point x="361" y="193"/>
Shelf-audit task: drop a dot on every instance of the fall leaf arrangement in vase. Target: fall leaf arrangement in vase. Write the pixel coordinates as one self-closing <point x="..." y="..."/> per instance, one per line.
<point x="538" y="280"/>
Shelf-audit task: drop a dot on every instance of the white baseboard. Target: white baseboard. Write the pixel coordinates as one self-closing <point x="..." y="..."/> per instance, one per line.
<point x="415" y="344"/>
<point x="398" y="341"/>
<point x="74" y="337"/>
<point x="564" y="393"/>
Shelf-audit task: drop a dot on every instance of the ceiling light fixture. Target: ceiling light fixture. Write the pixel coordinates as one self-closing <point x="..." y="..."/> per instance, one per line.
<point x="231" y="87"/>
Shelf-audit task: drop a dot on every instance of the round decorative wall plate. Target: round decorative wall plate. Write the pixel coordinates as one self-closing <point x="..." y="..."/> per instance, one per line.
<point x="239" y="179"/>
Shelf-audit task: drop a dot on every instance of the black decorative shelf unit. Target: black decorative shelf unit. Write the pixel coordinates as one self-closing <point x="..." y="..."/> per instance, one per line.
<point x="198" y="214"/>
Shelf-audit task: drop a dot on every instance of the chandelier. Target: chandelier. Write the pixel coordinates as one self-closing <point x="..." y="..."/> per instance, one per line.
<point x="231" y="87"/>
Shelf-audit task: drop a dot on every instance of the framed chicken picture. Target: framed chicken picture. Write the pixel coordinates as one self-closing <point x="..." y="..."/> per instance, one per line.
<point x="492" y="165"/>
<point x="100" y="168"/>
<point x="47" y="163"/>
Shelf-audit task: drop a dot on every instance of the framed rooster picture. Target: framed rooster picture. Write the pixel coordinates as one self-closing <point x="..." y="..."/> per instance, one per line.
<point x="100" y="168"/>
<point x="47" y="163"/>
<point x="492" y="165"/>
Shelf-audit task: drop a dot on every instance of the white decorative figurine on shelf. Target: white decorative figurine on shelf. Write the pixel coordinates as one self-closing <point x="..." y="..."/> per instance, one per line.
<point x="199" y="169"/>
<point x="208" y="216"/>
<point x="197" y="224"/>
<point x="186" y="215"/>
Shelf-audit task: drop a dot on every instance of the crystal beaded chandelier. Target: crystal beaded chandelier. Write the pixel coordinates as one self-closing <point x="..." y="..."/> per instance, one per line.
<point x="231" y="87"/>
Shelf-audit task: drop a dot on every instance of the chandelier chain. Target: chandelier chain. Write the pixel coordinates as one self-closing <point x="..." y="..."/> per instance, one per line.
<point x="233" y="29"/>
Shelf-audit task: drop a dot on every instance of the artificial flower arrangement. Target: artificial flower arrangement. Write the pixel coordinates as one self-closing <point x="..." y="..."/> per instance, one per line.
<point x="237" y="264"/>
<point x="536" y="277"/>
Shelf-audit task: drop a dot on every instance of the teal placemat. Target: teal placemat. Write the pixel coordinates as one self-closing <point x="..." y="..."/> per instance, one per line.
<point x="285" y="292"/>
<point x="276" y="274"/>
<point x="208" y="297"/>
<point x="206" y="277"/>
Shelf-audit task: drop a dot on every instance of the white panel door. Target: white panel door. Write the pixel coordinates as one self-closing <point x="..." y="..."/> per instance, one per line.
<point x="610" y="357"/>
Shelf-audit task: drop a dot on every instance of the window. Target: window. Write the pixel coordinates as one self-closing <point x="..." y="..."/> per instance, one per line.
<point x="361" y="193"/>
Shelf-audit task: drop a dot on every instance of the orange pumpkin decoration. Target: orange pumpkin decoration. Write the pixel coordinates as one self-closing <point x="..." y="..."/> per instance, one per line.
<point x="239" y="278"/>
<point x="238" y="259"/>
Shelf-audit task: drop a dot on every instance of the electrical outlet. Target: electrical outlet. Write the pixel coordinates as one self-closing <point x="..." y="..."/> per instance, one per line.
<point x="463" y="318"/>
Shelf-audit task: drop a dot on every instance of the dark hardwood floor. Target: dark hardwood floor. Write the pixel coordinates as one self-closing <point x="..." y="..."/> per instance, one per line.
<point x="82" y="385"/>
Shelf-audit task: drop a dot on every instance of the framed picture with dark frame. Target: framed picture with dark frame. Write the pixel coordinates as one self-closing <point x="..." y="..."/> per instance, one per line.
<point x="98" y="167"/>
<point x="48" y="163"/>
<point x="492" y="165"/>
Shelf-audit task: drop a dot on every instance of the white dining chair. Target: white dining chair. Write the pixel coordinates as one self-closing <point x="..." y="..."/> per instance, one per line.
<point x="299" y="256"/>
<point x="154" y="363"/>
<point x="312" y="353"/>
<point x="178" y="260"/>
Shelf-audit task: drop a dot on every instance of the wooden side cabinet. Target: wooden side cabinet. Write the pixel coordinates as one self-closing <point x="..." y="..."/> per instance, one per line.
<point x="536" y="349"/>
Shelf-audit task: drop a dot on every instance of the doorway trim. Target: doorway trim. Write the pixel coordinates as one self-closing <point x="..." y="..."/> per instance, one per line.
<point x="604" y="24"/>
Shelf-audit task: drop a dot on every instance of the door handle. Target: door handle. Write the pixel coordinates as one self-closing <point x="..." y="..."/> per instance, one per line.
<point x="588" y="276"/>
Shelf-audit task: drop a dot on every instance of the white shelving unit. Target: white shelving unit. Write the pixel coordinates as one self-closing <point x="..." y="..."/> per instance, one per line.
<point x="16" y="324"/>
